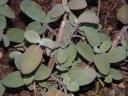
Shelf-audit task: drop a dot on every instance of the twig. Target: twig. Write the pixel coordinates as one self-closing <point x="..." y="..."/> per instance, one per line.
<point x="51" y="63"/>
<point x="58" y="40"/>
<point x="99" y="5"/>
<point x="60" y="82"/>
<point x="61" y="30"/>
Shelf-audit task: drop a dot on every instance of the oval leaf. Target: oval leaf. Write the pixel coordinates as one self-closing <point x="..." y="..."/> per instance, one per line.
<point x="82" y="76"/>
<point x="105" y="46"/>
<point x="62" y="56"/>
<point x="37" y="27"/>
<point x="116" y="74"/>
<point x="117" y="54"/>
<point x="6" y="41"/>
<point x="88" y="17"/>
<point x="102" y="64"/>
<point x="2" y="90"/>
<point x="122" y="14"/>
<point x="2" y="2"/>
<point x="85" y="50"/>
<point x="92" y="35"/>
<point x="108" y="79"/>
<point x="77" y="4"/>
<point x="6" y="11"/>
<point x="32" y="36"/>
<point x="65" y="5"/>
<point x="15" y="35"/>
<point x="2" y="22"/>
<point x="31" y="59"/>
<point x="28" y="79"/>
<point x="42" y="73"/>
<point x="33" y="10"/>
<point x="13" y="80"/>
<point x="47" y="43"/>
<point x="56" y="11"/>
<point x="73" y="86"/>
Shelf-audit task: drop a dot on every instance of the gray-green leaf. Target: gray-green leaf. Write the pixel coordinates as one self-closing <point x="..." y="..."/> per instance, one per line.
<point x="73" y="86"/>
<point x="6" y="11"/>
<point x="15" y="35"/>
<point x="102" y="63"/>
<point x="2" y="2"/>
<point x="33" y="10"/>
<point x="82" y="76"/>
<point x="13" y="80"/>
<point x="85" y="50"/>
<point x="6" y="41"/>
<point x="2" y="22"/>
<point x="2" y="90"/>
<point x="56" y="11"/>
<point x="92" y="35"/>
<point x="105" y="46"/>
<point x="31" y="59"/>
<point x="32" y="36"/>
<point x="116" y="74"/>
<point x="117" y="54"/>
<point x="88" y="17"/>
<point x="47" y="43"/>
<point x="37" y="27"/>
<point x="43" y="72"/>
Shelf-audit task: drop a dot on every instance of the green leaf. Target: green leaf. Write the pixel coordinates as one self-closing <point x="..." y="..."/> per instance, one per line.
<point x="2" y="90"/>
<point x="47" y="43"/>
<point x="77" y="4"/>
<point x="62" y="55"/>
<point x="32" y="36"/>
<point x="13" y="80"/>
<point x="71" y="51"/>
<point x="43" y="72"/>
<point x="85" y="50"/>
<point x="15" y="35"/>
<point x="31" y="59"/>
<point x="14" y="54"/>
<point x="108" y="79"/>
<point x="37" y="27"/>
<point x="1" y="35"/>
<point x="116" y="74"/>
<point x="6" y="11"/>
<point x="6" y="41"/>
<point x="102" y="63"/>
<point x="2" y="2"/>
<point x="73" y="86"/>
<point x="66" y="78"/>
<point x="17" y="61"/>
<point x="2" y="22"/>
<point x="33" y="10"/>
<point x="103" y="37"/>
<point x="43" y="84"/>
<point x="122" y="14"/>
<point x="56" y="11"/>
<point x="88" y="17"/>
<point x="105" y="46"/>
<point x="28" y="79"/>
<point x="117" y="54"/>
<point x="65" y="5"/>
<point x="82" y="76"/>
<point x="72" y="18"/>
<point x="92" y="35"/>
